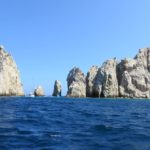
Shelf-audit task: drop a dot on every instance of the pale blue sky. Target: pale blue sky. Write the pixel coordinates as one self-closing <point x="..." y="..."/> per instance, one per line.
<point x="48" y="37"/>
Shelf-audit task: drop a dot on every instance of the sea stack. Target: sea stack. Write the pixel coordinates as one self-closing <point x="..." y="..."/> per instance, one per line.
<point x="39" y="91"/>
<point x="76" y="83"/>
<point x="57" y="88"/>
<point x="10" y="82"/>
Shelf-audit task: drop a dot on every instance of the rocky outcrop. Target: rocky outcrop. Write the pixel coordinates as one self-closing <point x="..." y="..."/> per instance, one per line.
<point x="39" y="91"/>
<point x="90" y="79"/>
<point x="76" y="83"/>
<point x="10" y="82"/>
<point x="127" y="78"/>
<point x="106" y="83"/>
<point x="134" y="75"/>
<point x="57" y="88"/>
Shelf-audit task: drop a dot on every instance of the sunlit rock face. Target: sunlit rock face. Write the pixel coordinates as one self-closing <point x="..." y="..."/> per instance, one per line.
<point x="134" y="75"/>
<point x="90" y="79"/>
<point x="106" y="83"/>
<point x="127" y="78"/>
<point x="10" y="82"/>
<point x="76" y="83"/>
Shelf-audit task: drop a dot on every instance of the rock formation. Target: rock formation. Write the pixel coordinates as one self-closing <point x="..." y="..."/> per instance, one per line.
<point x="57" y="88"/>
<point x="10" y="83"/>
<point x="39" y="91"/>
<point x="76" y="83"/>
<point x="134" y="75"/>
<point x="127" y="78"/>
<point x="90" y="79"/>
<point x="106" y="83"/>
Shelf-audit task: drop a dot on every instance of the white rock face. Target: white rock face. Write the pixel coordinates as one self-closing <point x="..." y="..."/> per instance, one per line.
<point x="57" y="88"/>
<point x="128" y="78"/>
<point x="10" y="83"/>
<point x="135" y="75"/>
<point x="76" y="83"/>
<point x="110" y="84"/>
<point x="39" y="91"/>
<point x="106" y="83"/>
<point x="90" y="78"/>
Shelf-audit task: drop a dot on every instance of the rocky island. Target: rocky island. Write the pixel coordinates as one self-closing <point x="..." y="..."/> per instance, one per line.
<point x="10" y="82"/>
<point x="129" y="78"/>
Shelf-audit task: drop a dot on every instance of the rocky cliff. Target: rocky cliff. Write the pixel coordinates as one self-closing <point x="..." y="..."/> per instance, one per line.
<point x="134" y="75"/>
<point x="106" y="83"/>
<point x="10" y="83"/>
<point x="90" y="79"/>
<point x="127" y="78"/>
<point x="76" y="83"/>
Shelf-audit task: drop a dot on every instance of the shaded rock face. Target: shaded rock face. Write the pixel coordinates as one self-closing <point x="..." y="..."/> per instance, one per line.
<point x="134" y="75"/>
<point x="97" y="84"/>
<point x="10" y="82"/>
<point x="90" y="78"/>
<point x="106" y="83"/>
<point x="57" y="88"/>
<point x="39" y="91"/>
<point x="76" y="83"/>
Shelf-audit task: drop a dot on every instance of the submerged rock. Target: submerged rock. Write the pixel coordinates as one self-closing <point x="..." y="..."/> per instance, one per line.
<point x="57" y="88"/>
<point x="10" y="82"/>
<point x="39" y="91"/>
<point x="76" y="83"/>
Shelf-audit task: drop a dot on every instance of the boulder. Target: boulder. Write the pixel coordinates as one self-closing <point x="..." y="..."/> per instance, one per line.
<point x="57" y="88"/>
<point x="10" y="82"/>
<point x="39" y="91"/>
<point x="76" y="83"/>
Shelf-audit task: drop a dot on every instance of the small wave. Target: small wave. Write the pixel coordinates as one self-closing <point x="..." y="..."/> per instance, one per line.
<point x="102" y="128"/>
<point x="108" y="128"/>
<point x="55" y="135"/>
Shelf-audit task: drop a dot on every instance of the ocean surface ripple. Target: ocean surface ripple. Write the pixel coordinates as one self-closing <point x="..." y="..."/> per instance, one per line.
<point x="74" y="124"/>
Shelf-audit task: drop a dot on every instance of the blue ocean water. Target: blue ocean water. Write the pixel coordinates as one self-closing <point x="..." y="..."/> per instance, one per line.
<point x="74" y="124"/>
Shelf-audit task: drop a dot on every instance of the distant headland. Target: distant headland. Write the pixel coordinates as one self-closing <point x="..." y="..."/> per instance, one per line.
<point x="128" y="78"/>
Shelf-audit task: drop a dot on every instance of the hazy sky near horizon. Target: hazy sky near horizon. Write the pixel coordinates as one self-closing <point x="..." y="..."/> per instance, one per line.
<point x="49" y="37"/>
